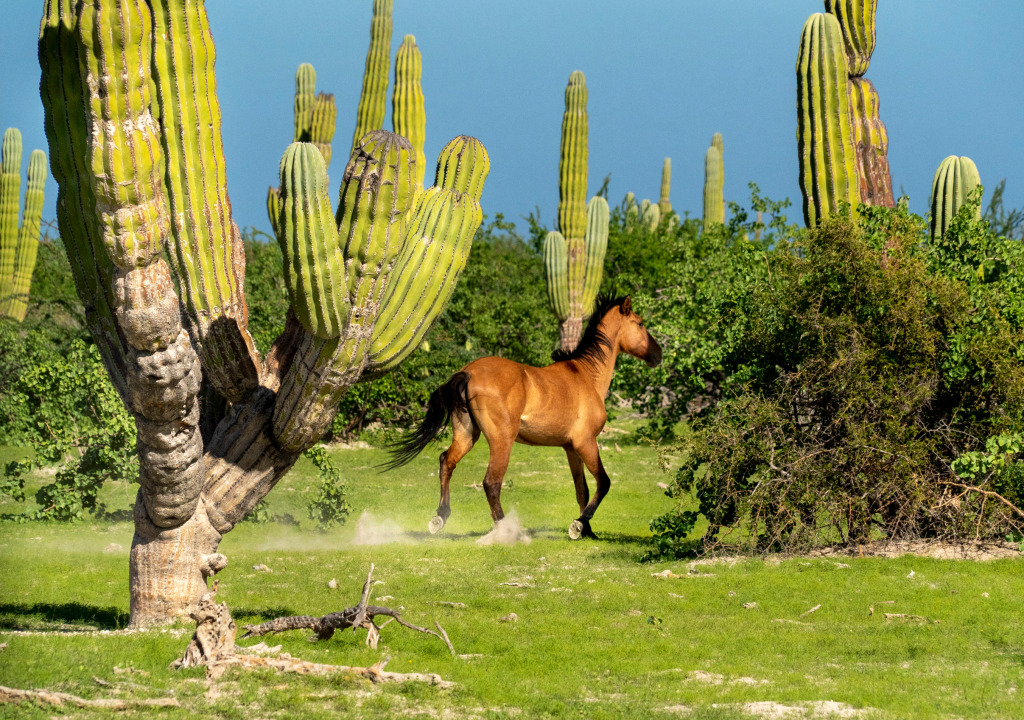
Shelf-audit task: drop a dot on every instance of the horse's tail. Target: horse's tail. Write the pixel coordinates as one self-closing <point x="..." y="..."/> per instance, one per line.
<point x="450" y="397"/>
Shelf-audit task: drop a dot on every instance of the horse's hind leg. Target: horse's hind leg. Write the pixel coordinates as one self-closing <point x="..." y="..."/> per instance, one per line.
<point x="465" y="434"/>
<point x="501" y="451"/>
<point x="588" y="452"/>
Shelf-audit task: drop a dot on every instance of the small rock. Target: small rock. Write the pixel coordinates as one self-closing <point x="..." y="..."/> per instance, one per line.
<point x="663" y="486"/>
<point x="749" y="605"/>
<point x="113" y="548"/>
<point x="984" y="595"/>
<point x="261" y="568"/>
<point x="333" y="584"/>
<point x="732" y="594"/>
<point x="510" y="618"/>
<point x="910" y="574"/>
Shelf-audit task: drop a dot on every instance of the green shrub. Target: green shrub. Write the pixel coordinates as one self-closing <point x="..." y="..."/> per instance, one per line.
<point x="869" y="363"/>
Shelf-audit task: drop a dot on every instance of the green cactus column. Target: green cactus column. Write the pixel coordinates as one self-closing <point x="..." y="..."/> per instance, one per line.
<point x="305" y="96"/>
<point x="954" y="181"/>
<point x="857" y="21"/>
<point x="714" y="183"/>
<point x="16" y="273"/>
<point x="321" y="131"/>
<point x="372" y="100"/>
<point x="664" y="204"/>
<point x="573" y="224"/>
<point x="407" y="112"/>
<point x="825" y="139"/>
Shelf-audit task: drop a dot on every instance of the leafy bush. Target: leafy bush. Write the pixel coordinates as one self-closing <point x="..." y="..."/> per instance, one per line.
<point x="865" y="363"/>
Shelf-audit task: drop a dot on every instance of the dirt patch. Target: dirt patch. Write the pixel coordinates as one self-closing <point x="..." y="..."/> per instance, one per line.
<point x="970" y="550"/>
<point x="770" y="710"/>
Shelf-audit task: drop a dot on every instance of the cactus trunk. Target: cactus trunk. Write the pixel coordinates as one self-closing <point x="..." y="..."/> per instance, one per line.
<point x="141" y="177"/>
<point x="714" y="184"/>
<point x="664" y="204"/>
<point x="19" y="243"/>
<point x="954" y="181"/>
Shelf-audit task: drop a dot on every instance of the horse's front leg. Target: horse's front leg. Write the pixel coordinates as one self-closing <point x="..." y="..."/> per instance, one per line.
<point x="465" y="436"/>
<point x="591" y="457"/>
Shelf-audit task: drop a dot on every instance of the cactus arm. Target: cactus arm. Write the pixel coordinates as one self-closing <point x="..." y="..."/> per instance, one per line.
<point x="325" y="116"/>
<point x="596" y="245"/>
<point x="828" y="162"/>
<point x="10" y="193"/>
<point x="652" y="216"/>
<point x="666" y="185"/>
<point x="407" y="112"/>
<point x="556" y="266"/>
<point x="857" y="20"/>
<point x="305" y="91"/>
<point x="953" y="183"/>
<point x="206" y="254"/>
<point x="572" y="166"/>
<point x="872" y="144"/>
<point x="714" y="203"/>
<point x="67" y="134"/>
<point x="28" y="238"/>
<point x="373" y="98"/>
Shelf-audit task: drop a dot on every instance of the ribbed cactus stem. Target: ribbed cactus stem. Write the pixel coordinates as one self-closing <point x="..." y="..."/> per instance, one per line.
<point x="857" y="20"/>
<point x="373" y="99"/>
<point x="954" y="181"/>
<point x="666" y="186"/>
<point x="407" y="110"/>
<point x="572" y="165"/>
<point x="596" y="242"/>
<point x="314" y="268"/>
<point x="556" y="270"/>
<point x="651" y="217"/>
<point x="325" y="116"/>
<point x="10" y="194"/>
<point x="16" y="305"/>
<point x="305" y="96"/>
<point x="872" y="143"/>
<point x="825" y="140"/>
<point x="714" y="201"/>
<point x="206" y="251"/>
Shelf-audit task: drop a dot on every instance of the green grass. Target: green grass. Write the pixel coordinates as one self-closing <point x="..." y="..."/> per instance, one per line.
<point x="597" y="636"/>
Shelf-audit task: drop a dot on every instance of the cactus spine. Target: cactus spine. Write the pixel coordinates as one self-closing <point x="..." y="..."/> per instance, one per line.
<point x="370" y="113"/>
<point x="133" y="170"/>
<point x="407" y="113"/>
<point x="954" y="181"/>
<point x="664" y="204"/>
<point x="825" y="141"/>
<point x="857" y="21"/>
<point x="19" y="244"/>
<point x="714" y="183"/>
<point x="574" y="256"/>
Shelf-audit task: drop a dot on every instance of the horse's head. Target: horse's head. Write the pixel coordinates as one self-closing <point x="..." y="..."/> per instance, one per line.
<point x="633" y="336"/>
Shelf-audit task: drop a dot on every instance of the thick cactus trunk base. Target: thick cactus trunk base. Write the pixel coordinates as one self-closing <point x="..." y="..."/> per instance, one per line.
<point x="168" y="568"/>
<point x="570" y="331"/>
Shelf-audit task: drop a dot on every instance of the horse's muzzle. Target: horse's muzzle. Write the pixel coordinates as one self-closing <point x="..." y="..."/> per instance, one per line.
<point x="653" y="356"/>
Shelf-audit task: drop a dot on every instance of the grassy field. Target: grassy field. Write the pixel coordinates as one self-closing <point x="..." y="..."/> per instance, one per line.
<point x="598" y="634"/>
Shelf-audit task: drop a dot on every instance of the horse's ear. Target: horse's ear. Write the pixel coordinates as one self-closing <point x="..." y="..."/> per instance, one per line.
<point x="626" y="306"/>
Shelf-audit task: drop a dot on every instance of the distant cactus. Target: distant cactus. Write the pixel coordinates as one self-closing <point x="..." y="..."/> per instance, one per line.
<point x="871" y="141"/>
<point x="954" y="181"/>
<point x="664" y="204"/>
<point x="372" y="99"/>
<point x="19" y="245"/>
<point x="714" y="184"/>
<point x="652" y="216"/>
<point x="407" y="113"/>
<point x="574" y="256"/>
<point x="133" y="123"/>
<point x="825" y="139"/>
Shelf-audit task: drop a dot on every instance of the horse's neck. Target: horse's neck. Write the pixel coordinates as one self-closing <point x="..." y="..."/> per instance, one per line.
<point x="603" y="370"/>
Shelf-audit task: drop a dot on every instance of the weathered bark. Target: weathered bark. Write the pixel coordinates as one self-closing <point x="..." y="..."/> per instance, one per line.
<point x="871" y="141"/>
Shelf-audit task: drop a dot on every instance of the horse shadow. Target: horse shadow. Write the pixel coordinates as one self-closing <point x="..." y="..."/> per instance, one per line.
<point x="25" y="616"/>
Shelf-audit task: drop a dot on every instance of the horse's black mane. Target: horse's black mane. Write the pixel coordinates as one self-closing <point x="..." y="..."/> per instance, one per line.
<point x="592" y="345"/>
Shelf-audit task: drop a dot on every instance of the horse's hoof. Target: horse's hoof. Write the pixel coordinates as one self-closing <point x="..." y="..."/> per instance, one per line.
<point x="575" y="530"/>
<point x="436" y="523"/>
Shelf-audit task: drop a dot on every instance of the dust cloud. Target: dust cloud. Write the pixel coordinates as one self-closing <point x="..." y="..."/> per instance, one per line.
<point x="507" y="531"/>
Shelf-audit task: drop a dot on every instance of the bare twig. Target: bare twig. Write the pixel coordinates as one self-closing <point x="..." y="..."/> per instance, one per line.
<point x="987" y="493"/>
<point x="45" y="697"/>
<point x="360" y="614"/>
<point x="813" y="609"/>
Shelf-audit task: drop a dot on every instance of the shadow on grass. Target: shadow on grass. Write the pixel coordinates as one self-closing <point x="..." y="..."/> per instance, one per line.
<point x="60" y="616"/>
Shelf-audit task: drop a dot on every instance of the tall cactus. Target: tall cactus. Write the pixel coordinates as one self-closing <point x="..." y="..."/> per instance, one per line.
<point x="825" y="139"/>
<point x="714" y="183"/>
<point x="574" y="256"/>
<point x="407" y="114"/>
<point x="664" y="204"/>
<point x="130" y="179"/>
<point x="954" y="181"/>
<point x="19" y="244"/>
<point x="371" y="110"/>
<point x="857" y="22"/>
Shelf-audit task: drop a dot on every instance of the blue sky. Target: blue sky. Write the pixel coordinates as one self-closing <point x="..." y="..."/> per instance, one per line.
<point x="663" y="76"/>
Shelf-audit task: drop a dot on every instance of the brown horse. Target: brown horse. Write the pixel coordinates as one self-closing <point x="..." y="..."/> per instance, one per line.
<point x="561" y="404"/>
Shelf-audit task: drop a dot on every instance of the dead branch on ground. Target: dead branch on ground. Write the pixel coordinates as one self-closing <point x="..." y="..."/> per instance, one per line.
<point x="46" y="697"/>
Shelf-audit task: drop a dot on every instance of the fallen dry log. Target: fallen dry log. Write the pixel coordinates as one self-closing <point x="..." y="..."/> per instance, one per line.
<point x="359" y="616"/>
<point x="59" y="699"/>
<point x="213" y="647"/>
